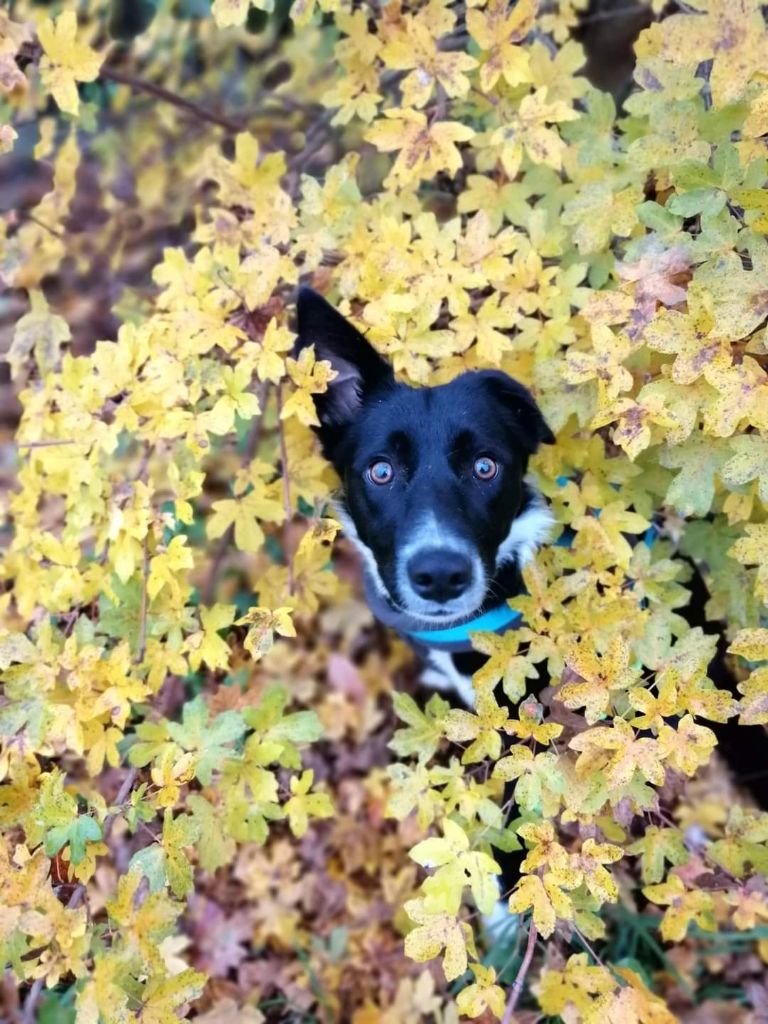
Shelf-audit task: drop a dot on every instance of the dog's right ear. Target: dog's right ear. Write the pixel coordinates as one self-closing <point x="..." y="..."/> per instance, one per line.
<point x="359" y="367"/>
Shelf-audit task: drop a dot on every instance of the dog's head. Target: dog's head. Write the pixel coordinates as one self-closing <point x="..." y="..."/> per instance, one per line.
<point x="434" y="494"/>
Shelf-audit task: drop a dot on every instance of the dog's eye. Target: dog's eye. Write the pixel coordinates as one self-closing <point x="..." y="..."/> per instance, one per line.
<point x="485" y="468"/>
<point x="381" y="472"/>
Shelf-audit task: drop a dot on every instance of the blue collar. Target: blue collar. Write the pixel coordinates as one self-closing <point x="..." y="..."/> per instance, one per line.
<point x="455" y="638"/>
<point x="495" y="620"/>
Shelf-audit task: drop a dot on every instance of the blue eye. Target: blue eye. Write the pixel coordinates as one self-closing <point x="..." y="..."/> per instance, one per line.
<point x="485" y="468"/>
<point x="381" y="472"/>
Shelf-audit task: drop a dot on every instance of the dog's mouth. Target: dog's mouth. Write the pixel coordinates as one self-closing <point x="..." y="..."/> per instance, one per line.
<point x="440" y="613"/>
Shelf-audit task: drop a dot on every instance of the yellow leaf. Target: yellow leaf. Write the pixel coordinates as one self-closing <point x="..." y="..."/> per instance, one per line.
<point x="483" y="995"/>
<point x="424" y="149"/>
<point x="434" y="933"/>
<point x="243" y="514"/>
<point x="499" y="31"/>
<point x="544" y="898"/>
<point x="302" y="804"/>
<point x="66" y="60"/>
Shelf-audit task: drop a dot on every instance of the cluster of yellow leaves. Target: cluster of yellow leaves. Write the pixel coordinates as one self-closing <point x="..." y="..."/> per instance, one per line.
<point x="503" y="214"/>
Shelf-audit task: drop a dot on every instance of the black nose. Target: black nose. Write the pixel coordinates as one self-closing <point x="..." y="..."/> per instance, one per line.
<point x="439" y="575"/>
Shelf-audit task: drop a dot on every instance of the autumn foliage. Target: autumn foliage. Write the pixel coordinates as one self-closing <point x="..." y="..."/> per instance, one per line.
<point x="208" y="808"/>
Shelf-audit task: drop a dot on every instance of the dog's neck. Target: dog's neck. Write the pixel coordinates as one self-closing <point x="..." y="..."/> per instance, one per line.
<point x="455" y="636"/>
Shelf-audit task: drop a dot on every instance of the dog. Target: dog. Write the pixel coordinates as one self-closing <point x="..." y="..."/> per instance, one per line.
<point x="436" y="499"/>
<point x="434" y="492"/>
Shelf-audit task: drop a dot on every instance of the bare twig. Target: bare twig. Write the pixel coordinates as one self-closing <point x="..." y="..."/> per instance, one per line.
<point x="583" y="940"/>
<point x="30" y="1006"/>
<point x="251" y="447"/>
<point x="122" y="796"/>
<point x="517" y="987"/>
<point x="286" y="485"/>
<point x="317" y="137"/>
<point x="41" y="224"/>
<point x="145" y="828"/>
<point x="440" y="105"/>
<point x="144" y="605"/>
<point x="167" y="96"/>
<point x="44" y="444"/>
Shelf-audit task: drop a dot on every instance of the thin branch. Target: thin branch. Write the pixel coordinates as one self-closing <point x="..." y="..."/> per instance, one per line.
<point x="317" y="137"/>
<point x="583" y="940"/>
<point x="145" y="828"/>
<point x="144" y="605"/>
<point x="30" y="1006"/>
<point x="251" y="447"/>
<point x="286" y="485"/>
<point x="122" y="796"/>
<point x="46" y="227"/>
<point x="44" y="444"/>
<point x="166" y="96"/>
<point x="440" y="105"/>
<point x="517" y="987"/>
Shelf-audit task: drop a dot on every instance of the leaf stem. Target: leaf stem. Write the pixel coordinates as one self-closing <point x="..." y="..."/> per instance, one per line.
<point x="251" y="448"/>
<point x="286" y="486"/>
<point x="144" y="605"/>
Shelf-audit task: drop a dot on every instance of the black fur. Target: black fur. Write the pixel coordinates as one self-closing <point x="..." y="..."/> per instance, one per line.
<point x="432" y="437"/>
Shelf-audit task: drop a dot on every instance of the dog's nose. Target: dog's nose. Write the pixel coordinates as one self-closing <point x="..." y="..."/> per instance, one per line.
<point x="439" y="575"/>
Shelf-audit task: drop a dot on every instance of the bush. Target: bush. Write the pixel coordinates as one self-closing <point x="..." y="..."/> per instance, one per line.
<point x="190" y="683"/>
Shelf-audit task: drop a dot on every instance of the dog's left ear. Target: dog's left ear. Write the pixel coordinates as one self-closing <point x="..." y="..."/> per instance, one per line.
<point x="360" y="368"/>
<point x="519" y="409"/>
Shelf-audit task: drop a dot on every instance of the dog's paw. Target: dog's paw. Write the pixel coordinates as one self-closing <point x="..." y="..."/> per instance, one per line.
<point x="440" y="673"/>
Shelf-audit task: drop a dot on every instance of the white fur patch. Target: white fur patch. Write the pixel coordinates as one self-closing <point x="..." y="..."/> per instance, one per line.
<point x="350" y="532"/>
<point x="442" y="674"/>
<point x="526" y="533"/>
<point x="428" y="534"/>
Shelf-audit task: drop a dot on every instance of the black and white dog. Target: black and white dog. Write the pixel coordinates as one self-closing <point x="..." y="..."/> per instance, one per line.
<point x="434" y="492"/>
<point x="436" y="501"/>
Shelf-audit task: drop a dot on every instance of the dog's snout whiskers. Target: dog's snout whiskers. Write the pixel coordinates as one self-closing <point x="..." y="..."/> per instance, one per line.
<point x="440" y="575"/>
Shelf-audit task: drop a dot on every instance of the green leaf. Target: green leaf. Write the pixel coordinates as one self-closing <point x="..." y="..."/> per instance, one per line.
<point x="699" y="459"/>
<point x="150" y="862"/>
<point x="122" y="617"/>
<point x="209" y="740"/>
<point x="84" y="829"/>
<point x="151" y="738"/>
<point x="658" y="218"/>
<point x="215" y="848"/>
<point x="705" y="201"/>
<point x="41" y="331"/>
<point x="16" y="647"/>
<point x="425" y="729"/>
<point x="657" y="846"/>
